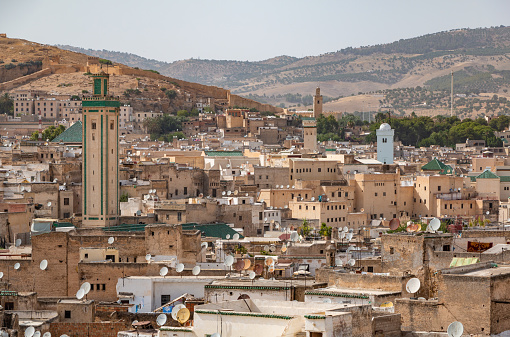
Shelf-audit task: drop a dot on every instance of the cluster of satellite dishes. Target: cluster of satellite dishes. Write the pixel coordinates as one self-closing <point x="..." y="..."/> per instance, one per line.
<point x="30" y="332"/>
<point x="234" y="237"/>
<point x="243" y="265"/>
<point x="283" y="186"/>
<point x="345" y="233"/>
<point x="84" y="290"/>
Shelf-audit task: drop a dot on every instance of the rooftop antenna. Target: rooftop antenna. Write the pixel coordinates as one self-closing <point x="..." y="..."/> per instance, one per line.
<point x="455" y="329"/>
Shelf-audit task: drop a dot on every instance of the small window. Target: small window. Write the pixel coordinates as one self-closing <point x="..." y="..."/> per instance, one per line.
<point x="93" y="125"/>
<point x="66" y="201"/>
<point x="392" y="250"/>
<point x="67" y="314"/>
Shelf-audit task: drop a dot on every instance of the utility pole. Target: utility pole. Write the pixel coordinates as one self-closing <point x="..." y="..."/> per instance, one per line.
<point x="451" y="104"/>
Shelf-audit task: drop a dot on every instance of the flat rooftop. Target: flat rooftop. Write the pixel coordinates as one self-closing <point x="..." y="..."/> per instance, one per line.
<point x="489" y="272"/>
<point x="264" y="283"/>
<point x="368" y="292"/>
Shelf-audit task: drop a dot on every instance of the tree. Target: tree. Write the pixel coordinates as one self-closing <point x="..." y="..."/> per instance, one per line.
<point x="325" y="230"/>
<point x="105" y="61"/>
<point x="305" y="228"/>
<point x="49" y="133"/>
<point x="124" y="197"/>
<point x="6" y="105"/>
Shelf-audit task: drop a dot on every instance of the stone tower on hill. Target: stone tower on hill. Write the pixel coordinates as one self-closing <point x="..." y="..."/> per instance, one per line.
<point x="100" y="177"/>
<point x="317" y="103"/>
<point x="385" y="143"/>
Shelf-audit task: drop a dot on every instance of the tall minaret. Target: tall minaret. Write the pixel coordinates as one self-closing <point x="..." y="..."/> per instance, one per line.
<point x="317" y="103"/>
<point x="100" y="183"/>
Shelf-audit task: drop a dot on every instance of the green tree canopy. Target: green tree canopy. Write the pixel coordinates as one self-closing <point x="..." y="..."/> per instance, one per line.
<point x="49" y="133"/>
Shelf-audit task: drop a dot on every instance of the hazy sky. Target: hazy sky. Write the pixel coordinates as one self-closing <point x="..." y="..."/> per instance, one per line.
<point x="239" y="29"/>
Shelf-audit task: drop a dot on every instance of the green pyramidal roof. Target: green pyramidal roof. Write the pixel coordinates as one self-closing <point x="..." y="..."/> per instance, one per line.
<point x="487" y="174"/>
<point x="436" y="165"/>
<point x="73" y="134"/>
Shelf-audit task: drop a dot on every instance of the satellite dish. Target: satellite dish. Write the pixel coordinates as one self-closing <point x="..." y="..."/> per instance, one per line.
<point x="351" y="262"/>
<point x="17" y="265"/>
<point x="163" y="271"/>
<point x="1" y="274"/>
<point x="413" y="285"/>
<point x="229" y="260"/>
<point x="487" y="212"/>
<point x="148" y="257"/>
<point x="326" y="300"/>
<point x="86" y="287"/>
<point x="215" y="335"/>
<point x="277" y="186"/>
<point x="434" y="224"/>
<point x="229" y="193"/>
<point x="227" y="236"/>
<point x="236" y="236"/>
<point x="346" y="229"/>
<point x="223" y="193"/>
<point x="284" y="249"/>
<point x="269" y="261"/>
<point x="37" y="334"/>
<point x="204" y="245"/>
<point x="179" y="268"/>
<point x="47" y="334"/>
<point x="258" y="269"/>
<point x="252" y="275"/>
<point x="313" y="199"/>
<point x="161" y="320"/>
<point x="339" y="263"/>
<point x="387" y="305"/>
<point x="80" y="293"/>
<point x="294" y="236"/>
<point x="196" y="270"/>
<point x="266" y="248"/>
<point x="111" y="239"/>
<point x="342" y="235"/>
<point x="43" y="265"/>
<point x="394" y="224"/>
<point x="247" y="264"/>
<point x="239" y="265"/>
<point x="29" y="332"/>
<point x="175" y="310"/>
<point x="455" y="329"/>
<point x="18" y="242"/>
<point x="183" y="315"/>
<point x="49" y="204"/>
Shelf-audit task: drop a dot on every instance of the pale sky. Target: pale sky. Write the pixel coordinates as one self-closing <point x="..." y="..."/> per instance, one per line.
<point x="239" y="29"/>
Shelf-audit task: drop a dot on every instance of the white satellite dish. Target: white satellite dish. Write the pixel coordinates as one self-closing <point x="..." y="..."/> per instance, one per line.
<point x="43" y="265"/>
<point x="236" y="236"/>
<point x="17" y="265"/>
<point x="229" y="193"/>
<point x="148" y="257"/>
<point x="216" y="334"/>
<point x="49" y="204"/>
<point x="346" y="229"/>
<point x="80" y="293"/>
<point x="487" y="212"/>
<point x="1" y="274"/>
<point x="223" y="193"/>
<point x="161" y="320"/>
<point x="229" y="260"/>
<point x="179" y="268"/>
<point x="86" y="287"/>
<point x="413" y="285"/>
<point x="342" y="235"/>
<point x="163" y="271"/>
<point x="351" y="262"/>
<point x="37" y="334"/>
<point x="111" y="239"/>
<point x="175" y="310"/>
<point x="227" y="236"/>
<point x="455" y="329"/>
<point x="339" y="263"/>
<point x="277" y="186"/>
<point x="18" y="242"/>
<point x="196" y="270"/>
<point x="294" y="236"/>
<point x="288" y="186"/>
<point x="434" y="224"/>
<point x="47" y="334"/>
<point x="313" y="199"/>
<point x="266" y="248"/>
<point x="29" y="332"/>
<point x="252" y="275"/>
<point x="204" y="245"/>
<point x="326" y="300"/>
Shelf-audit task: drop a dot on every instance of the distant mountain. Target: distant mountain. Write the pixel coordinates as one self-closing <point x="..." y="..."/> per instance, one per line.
<point x="404" y="63"/>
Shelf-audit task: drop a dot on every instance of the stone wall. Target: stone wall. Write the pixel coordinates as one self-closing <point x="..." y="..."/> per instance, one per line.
<point x="103" y="329"/>
<point x="387" y="325"/>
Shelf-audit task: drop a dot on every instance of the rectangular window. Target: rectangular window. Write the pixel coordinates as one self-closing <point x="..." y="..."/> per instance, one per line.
<point x="66" y="201"/>
<point x="185" y="190"/>
<point x="165" y="299"/>
<point x="179" y="216"/>
<point x="67" y="313"/>
<point x="93" y="127"/>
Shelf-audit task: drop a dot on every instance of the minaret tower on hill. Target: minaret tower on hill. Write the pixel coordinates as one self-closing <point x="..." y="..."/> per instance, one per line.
<point x="317" y="103"/>
<point x="100" y="168"/>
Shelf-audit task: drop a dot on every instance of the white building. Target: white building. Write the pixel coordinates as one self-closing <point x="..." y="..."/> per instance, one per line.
<point x="385" y="136"/>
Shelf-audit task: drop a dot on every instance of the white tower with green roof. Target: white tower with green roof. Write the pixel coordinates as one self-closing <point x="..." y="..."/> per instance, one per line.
<point x="100" y="169"/>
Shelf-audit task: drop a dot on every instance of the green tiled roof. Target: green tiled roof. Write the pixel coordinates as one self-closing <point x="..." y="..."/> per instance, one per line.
<point x="504" y="179"/>
<point x="224" y="153"/>
<point x="487" y="174"/>
<point x="73" y="134"/>
<point x="308" y="118"/>
<point x="218" y="230"/>
<point x="436" y="165"/>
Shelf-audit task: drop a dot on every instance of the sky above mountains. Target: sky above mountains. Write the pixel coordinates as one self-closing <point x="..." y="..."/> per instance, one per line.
<point x="237" y="29"/>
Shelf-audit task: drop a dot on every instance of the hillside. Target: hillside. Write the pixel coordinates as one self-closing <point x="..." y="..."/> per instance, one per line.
<point x="29" y="65"/>
<point x="405" y="63"/>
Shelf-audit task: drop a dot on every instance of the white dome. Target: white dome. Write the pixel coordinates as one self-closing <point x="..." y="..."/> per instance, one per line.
<point x="385" y="126"/>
